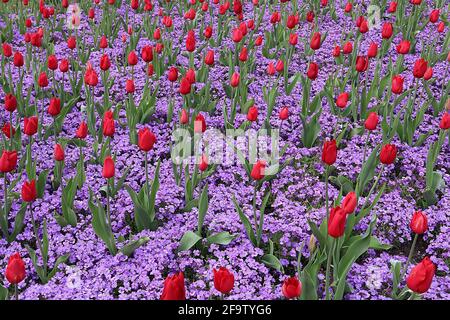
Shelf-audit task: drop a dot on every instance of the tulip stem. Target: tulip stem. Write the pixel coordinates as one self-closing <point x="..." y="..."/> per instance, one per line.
<point x="10" y="131"/>
<point x="107" y="203"/>
<point x="146" y="174"/>
<point x="254" y="210"/>
<point x="326" y="197"/>
<point x="411" y="252"/>
<point x="365" y="147"/>
<point x="36" y="235"/>
<point x="16" y="293"/>
<point x="6" y="206"/>
<point x="327" y="274"/>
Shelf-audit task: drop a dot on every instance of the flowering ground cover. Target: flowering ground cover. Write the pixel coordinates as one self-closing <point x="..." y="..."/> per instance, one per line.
<point x="160" y="149"/>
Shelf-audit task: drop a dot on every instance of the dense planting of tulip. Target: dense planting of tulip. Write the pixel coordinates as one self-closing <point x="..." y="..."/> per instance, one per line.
<point x="98" y="202"/>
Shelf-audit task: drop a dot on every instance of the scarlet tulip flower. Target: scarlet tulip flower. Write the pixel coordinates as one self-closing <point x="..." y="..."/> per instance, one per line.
<point x="434" y="15"/>
<point x="190" y="76"/>
<point x="313" y="70"/>
<point x="8" y="130"/>
<point x="15" y="270"/>
<point x="350" y="202"/>
<point x="172" y="74"/>
<point x="18" y="59"/>
<point x="235" y="78"/>
<point x="55" y="107"/>
<point x="108" y="168"/>
<point x="445" y="121"/>
<point x="108" y="124"/>
<point x="43" y="80"/>
<point x="10" y="102"/>
<point x="336" y="225"/>
<point x="199" y="124"/>
<point x="71" y="42"/>
<point x="82" y="130"/>
<point x="184" y="118"/>
<point x="30" y="125"/>
<point x="315" y="41"/>
<point x="58" y="152"/>
<point x="64" y="65"/>
<point x="105" y="63"/>
<point x="373" y="50"/>
<point x="342" y="100"/>
<point x="329" y="152"/>
<point x="428" y="74"/>
<point x="388" y="154"/>
<point x="237" y="35"/>
<point x="29" y="193"/>
<point x="190" y="41"/>
<point x="146" y="139"/>
<point x="419" y="223"/>
<point x="223" y="280"/>
<point x="371" y="121"/>
<point x="252" y="114"/>
<point x="7" y="50"/>
<point x="147" y="53"/>
<point x="209" y="58"/>
<point x="185" y="86"/>
<point x="208" y="32"/>
<point x="387" y="30"/>
<point x="132" y="58"/>
<point x="174" y="288"/>
<point x="52" y="62"/>
<point x="258" y="170"/>
<point x="362" y="63"/>
<point x="8" y="161"/>
<point x="348" y="48"/>
<point x="291" y="288"/>
<point x="392" y="7"/>
<point x="421" y="276"/>
<point x="284" y="113"/>
<point x="420" y="67"/>
<point x="129" y="86"/>
<point x="397" y="84"/>
<point x="403" y="47"/>
<point x="293" y="39"/>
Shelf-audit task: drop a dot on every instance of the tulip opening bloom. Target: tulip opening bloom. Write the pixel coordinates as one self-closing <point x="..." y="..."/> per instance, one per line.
<point x="388" y="154"/>
<point x="421" y="276"/>
<point x="15" y="270"/>
<point x="223" y="280"/>
<point x="174" y="288"/>
<point x="292" y="288"/>
<point x="419" y="223"/>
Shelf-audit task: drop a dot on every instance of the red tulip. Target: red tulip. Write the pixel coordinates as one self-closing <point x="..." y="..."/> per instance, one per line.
<point x="8" y="161"/>
<point x="428" y="74"/>
<point x="258" y="170"/>
<point x="292" y="288"/>
<point x="284" y="113"/>
<point x="434" y="15"/>
<point x="208" y="32"/>
<point x="147" y="53"/>
<point x="55" y="107"/>
<point x="71" y="42"/>
<point x="441" y="27"/>
<point x="15" y="270"/>
<point x="313" y="70"/>
<point x="82" y="131"/>
<point x="52" y="62"/>
<point x="362" y="63"/>
<point x="392" y="7"/>
<point x="235" y="78"/>
<point x="203" y="165"/>
<point x="252" y="114"/>
<point x="397" y="84"/>
<point x="348" y="7"/>
<point x="371" y="121"/>
<point x="7" y="130"/>
<point x="315" y="41"/>
<point x="388" y="154"/>
<point x="172" y="74"/>
<point x="190" y="76"/>
<point x="223" y="280"/>
<point x="132" y="58"/>
<point x="146" y="139"/>
<point x="421" y="276"/>
<point x="387" y="30"/>
<point x="105" y="63"/>
<point x="364" y="27"/>
<point x="58" y="153"/>
<point x="419" y="223"/>
<point x="243" y="55"/>
<point x="348" y="48"/>
<point x="445" y="121"/>
<point x="10" y="102"/>
<point x="184" y="118"/>
<point x="190" y="41"/>
<point x="29" y="193"/>
<point x="258" y="41"/>
<point x="185" y="86"/>
<point x="174" y="288"/>
<point x="108" y="124"/>
<point x="329" y="152"/>
<point x="90" y="76"/>
<point x="43" y="80"/>
<point x="342" y="100"/>
<point x="129" y="86"/>
<point x="199" y="124"/>
<point x="64" y="65"/>
<point x="103" y="42"/>
<point x="420" y="67"/>
<point x="310" y="16"/>
<point x="349" y="203"/>
<point x="108" y="168"/>
<point x="293" y="39"/>
<point x="373" y="50"/>
<point x="336" y="225"/>
<point x="209" y="58"/>
<point x="18" y="59"/>
<point x="403" y="47"/>
<point x="237" y="35"/>
<point x="7" y="50"/>
<point x="30" y="125"/>
<point x="336" y="51"/>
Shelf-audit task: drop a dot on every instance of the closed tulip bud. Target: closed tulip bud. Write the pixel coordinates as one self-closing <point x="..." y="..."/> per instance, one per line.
<point x="362" y="63"/>
<point x="6" y="129"/>
<point x="71" y="42"/>
<point x="58" y="153"/>
<point x="348" y="48"/>
<point x="82" y="131"/>
<point x="172" y="74"/>
<point x="15" y="270"/>
<point x="7" y="50"/>
<point x="291" y="22"/>
<point x="190" y="76"/>
<point x="336" y="51"/>
<point x="208" y="32"/>
<point x="64" y="65"/>
<point x="28" y="23"/>
<point x="243" y="55"/>
<point x="134" y="4"/>
<point x="129" y="86"/>
<point x="445" y="121"/>
<point x="199" y="124"/>
<point x="336" y="224"/>
<point x="313" y="70"/>
<point x="315" y="41"/>
<point x="415" y="2"/>
<point x="30" y="125"/>
<point x="258" y="170"/>
<point x="150" y="70"/>
<point x="235" y="78"/>
<point x="90" y="76"/>
<point x="419" y="223"/>
<point x="252" y="114"/>
<point x="291" y="288"/>
<point x="108" y="168"/>
<point x="8" y="161"/>
<point x="203" y="165"/>
<point x="428" y="74"/>
<point x="29" y="193"/>
<point x="434" y="15"/>
<point x="388" y="154"/>
<point x="441" y="27"/>
<point x="397" y="84"/>
<point x="310" y="16"/>
<point x="10" y="102"/>
<point x="364" y="27"/>
<point x="271" y="69"/>
<point x="185" y="86"/>
<point x="174" y="288"/>
<point x="348" y="7"/>
<point x="371" y="121"/>
<point x="293" y="39"/>
<point x="146" y="139"/>
<point x="103" y="42"/>
<point x="55" y="107"/>
<point x="43" y="80"/>
<point x="359" y="21"/>
<point x="392" y="7"/>
<point x="421" y="276"/>
<point x="147" y="53"/>
<point x="105" y="63"/>
<point x="275" y="18"/>
<point x="420" y="67"/>
<point x="329" y="152"/>
<point x="258" y="41"/>
<point x="312" y="244"/>
<point x="209" y="58"/>
<point x="284" y="113"/>
<point x="387" y="30"/>
<point x="190" y="41"/>
<point x="184" y="118"/>
<point x="18" y="59"/>
<point x="237" y="35"/>
<point x="349" y="203"/>
<point x="132" y="58"/>
<point x="342" y="100"/>
<point x="403" y="47"/>
<point x="108" y="126"/>
<point x="223" y="280"/>
<point x="373" y="50"/>
<point x="52" y="62"/>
